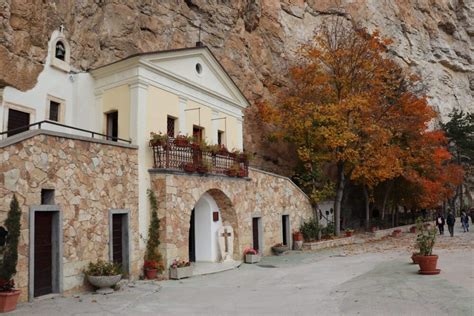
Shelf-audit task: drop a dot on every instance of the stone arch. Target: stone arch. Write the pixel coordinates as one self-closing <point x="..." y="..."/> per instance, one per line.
<point x="227" y="212"/>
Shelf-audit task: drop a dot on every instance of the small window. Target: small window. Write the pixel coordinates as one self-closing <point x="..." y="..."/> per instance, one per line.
<point x="60" y="52"/>
<point x="112" y="125"/>
<point x="47" y="196"/>
<point x="220" y="137"/>
<point x="54" y="108"/>
<point x="198" y="133"/>
<point x="170" y="126"/>
<point x="18" y="122"/>
<point x="198" y="68"/>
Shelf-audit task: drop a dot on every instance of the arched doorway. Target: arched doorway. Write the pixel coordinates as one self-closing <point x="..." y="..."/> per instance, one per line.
<point x="211" y="212"/>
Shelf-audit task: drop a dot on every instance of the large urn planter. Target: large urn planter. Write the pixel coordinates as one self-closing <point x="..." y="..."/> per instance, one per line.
<point x="181" y="273"/>
<point x="252" y="258"/>
<point x="279" y="249"/>
<point x="428" y="264"/>
<point x="8" y="301"/>
<point x="104" y="283"/>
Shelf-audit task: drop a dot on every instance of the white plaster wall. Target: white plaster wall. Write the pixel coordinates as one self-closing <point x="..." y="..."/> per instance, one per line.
<point x="74" y="89"/>
<point x="206" y="229"/>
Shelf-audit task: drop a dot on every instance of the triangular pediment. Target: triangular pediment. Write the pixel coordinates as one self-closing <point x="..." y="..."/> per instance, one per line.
<point x="197" y="67"/>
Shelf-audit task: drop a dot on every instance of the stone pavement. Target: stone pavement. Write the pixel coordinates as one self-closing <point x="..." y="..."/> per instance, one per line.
<point x="374" y="278"/>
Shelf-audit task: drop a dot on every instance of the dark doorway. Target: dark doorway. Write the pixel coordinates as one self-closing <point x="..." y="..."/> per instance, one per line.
<point x="285" y="220"/>
<point x="17" y="119"/>
<point x="192" y="240"/>
<point x="117" y="238"/>
<point x="255" y="233"/>
<point x="198" y="133"/>
<point x="112" y="125"/>
<point x="43" y="253"/>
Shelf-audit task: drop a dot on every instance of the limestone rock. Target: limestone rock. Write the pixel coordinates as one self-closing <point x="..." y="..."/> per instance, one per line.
<point x="255" y="40"/>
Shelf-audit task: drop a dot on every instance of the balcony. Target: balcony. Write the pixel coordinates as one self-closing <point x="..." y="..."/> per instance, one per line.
<point x="181" y="154"/>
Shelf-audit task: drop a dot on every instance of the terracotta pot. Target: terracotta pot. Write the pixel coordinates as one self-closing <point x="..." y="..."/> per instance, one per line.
<point x="396" y="233"/>
<point x="349" y="234"/>
<point x="413" y="229"/>
<point x="151" y="273"/>
<point x="414" y="257"/>
<point x="428" y="263"/>
<point x="189" y="168"/>
<point x="373" y="229"/>
<point x="298" y="236"/>
<point x="181" y="142"/>
<point x="8" y="301"/>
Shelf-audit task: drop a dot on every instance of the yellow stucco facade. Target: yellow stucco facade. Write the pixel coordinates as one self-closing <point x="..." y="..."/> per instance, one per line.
<point x="117" y="99"/>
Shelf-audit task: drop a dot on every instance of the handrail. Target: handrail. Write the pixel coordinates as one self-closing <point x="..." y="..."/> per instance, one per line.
<point x="107" y="137"/>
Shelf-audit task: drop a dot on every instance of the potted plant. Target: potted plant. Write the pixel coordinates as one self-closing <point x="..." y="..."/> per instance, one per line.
<point x="397" y="233"/>
<point x="373" y="229"/>
<point x="103" y="275"/>
<point x="349" y="232"/>
<point x="180" y="269"/>
<point x="189" y="167"/>
<point x="182" y="141"/>
<point x="242" y="173"/>
<point x="413" y="229"/>
<point x="204" y="167"/>
<point x="233" y="170"/>
<point x="153" y="260"/>
<point x="9" y="258"/>
<point x="251" y="255"/>
<point x="159" y="139"/>
<point x="425" y="242"/>
<point x="297" y="240"/>
<point x="223" y="150"/>
<point x="279" y="249"/>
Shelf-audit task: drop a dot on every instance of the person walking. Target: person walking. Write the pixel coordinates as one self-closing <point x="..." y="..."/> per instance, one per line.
<point x="465" y="221"/>
<point x="450" y="220"/>
<point x="440" y="223"/>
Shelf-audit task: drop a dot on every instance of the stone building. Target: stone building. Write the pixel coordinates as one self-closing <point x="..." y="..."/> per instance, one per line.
<point x="75" y="150"/>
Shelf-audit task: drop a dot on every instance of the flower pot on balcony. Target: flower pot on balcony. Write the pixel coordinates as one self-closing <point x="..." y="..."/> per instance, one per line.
<point x="189" y="167"/>
<point x="202" y="169"/>
<point x="181" y="273"/>
<point x="181" y="142"/>
<point x="8" y="300"/>
<point x="251" y="258"/>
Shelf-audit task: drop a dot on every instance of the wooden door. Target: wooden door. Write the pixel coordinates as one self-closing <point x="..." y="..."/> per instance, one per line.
<point x="192" y="241"/>
<point x="17" y="119"/>
<point x="43" y="253"/>
<point x="285" y="222"/>
<point x="255" y="231"/>
<point x="117" y="238"/>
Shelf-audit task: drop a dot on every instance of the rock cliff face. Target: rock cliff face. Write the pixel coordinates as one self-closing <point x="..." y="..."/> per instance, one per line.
<point x="255" y="40"/>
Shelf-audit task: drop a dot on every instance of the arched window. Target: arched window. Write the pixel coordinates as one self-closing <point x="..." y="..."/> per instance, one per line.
<point x="60" y="52"/>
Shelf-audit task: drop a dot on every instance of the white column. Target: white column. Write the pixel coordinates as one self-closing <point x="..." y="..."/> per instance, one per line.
<point x="102" y="126"/>
<point x="138" y="128"/>
<point x="214" y="127"/>
<point x="182" y="116"/>
<point x="240" y="133"/>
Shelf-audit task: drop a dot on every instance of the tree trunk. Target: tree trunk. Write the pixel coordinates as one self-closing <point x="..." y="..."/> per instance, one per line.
<point x="339" y="192"/>
<point x="385" y="198"/>
<point x="367" y="207"/>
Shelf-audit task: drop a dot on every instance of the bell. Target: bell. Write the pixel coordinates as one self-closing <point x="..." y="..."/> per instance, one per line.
<point x="60" y="51"/>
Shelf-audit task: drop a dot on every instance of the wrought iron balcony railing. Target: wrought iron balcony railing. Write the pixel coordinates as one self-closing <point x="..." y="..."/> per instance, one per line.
<point x="193" y="158"/>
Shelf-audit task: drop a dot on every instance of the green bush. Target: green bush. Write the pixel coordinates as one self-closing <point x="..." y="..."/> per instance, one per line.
<point x="103" y="268"/>
<point x="10" y="251"/>
<point x="310" y="230"/>
<point x="329" y="230"/>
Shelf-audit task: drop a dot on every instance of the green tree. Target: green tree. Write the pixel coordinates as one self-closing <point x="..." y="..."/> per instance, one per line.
<point x="152" y="253"/>
<point x="10" y="253"/>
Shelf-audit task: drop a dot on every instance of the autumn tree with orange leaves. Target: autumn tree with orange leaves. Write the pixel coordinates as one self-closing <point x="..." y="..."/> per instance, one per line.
<point x="347" y="104"/>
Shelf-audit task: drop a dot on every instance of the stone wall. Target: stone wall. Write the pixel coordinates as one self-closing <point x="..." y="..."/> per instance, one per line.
<point x="264" y="195"/>
<point x="89" y="178"/>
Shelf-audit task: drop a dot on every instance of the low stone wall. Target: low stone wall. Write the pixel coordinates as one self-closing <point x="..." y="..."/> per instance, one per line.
<point x="317" y="245"/>
<point x="89" y="179"/>
<point x="379" y="234"/>
<point x="263" y="195"/>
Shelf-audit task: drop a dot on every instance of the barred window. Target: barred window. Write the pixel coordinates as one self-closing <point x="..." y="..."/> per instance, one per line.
<point x="171" y="121"/>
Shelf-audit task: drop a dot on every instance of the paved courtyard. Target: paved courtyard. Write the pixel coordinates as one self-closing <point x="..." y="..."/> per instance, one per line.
<point x="372" y="278"/>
